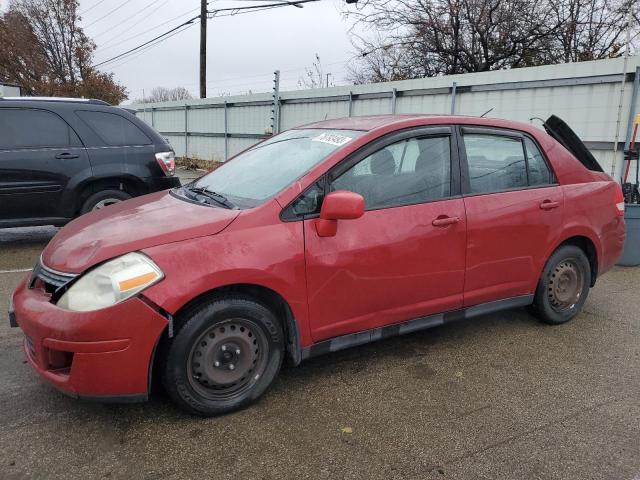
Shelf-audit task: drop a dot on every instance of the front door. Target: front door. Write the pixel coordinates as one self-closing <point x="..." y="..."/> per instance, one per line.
<point x="405" y="257"/>
<point x="39" y="154"/>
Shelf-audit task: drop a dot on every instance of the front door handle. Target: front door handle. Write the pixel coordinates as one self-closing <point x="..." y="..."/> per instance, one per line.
<point x="444" y="220"/>
<point x="66" y="155"/>
<point x="549" y="205"/>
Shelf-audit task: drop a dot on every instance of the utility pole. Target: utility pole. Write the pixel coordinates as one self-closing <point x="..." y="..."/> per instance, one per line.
<point x="203" y="48"/>
<point x="328" y="79"/>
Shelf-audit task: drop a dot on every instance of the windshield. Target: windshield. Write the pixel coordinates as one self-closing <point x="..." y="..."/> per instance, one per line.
<point x="262" y="171"/>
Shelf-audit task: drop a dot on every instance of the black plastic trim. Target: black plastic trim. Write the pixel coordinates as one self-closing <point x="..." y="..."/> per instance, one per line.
<point x="422" y="323"/>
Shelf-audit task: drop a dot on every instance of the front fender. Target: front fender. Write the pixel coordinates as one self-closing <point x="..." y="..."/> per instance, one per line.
<point x="269" y="256"/>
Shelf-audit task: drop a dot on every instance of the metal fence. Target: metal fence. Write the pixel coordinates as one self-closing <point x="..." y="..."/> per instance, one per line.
<point x="587" y="95"/>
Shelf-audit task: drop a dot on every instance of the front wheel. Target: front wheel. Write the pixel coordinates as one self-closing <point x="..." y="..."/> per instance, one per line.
<point x="225" y="355"/>
<point x="102" y="199"/>
<point x="563" y="286"/>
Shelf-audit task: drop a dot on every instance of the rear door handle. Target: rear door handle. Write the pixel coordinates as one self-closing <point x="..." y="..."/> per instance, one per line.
<point x="66" y="155"/>
<point x="549" y="205"/>
<point x="443" y="221"/>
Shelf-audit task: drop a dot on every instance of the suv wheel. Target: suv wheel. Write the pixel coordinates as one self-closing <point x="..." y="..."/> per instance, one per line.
<point x="103" y="199"/>
<point x="226" y="354"/>
<point x="563" y="286"/>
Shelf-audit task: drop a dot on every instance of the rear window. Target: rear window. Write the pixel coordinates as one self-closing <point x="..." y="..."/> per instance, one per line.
<point x="114" y="129"/>
<point x="29" y="128"/>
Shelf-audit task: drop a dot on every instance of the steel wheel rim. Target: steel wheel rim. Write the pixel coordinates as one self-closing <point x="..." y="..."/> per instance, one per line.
<point x="105" y="203"/>
<point x="227" y="359"/>
<point x="565" y="285"/>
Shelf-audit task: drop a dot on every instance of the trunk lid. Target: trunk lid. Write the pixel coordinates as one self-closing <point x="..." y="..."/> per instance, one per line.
<point x="561" y="132"/>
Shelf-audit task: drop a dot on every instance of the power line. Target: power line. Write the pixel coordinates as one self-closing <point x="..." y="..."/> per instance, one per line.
<point x="131" y="17"/>
<point x="108" y="13"/>
<point x="92" y="7"/>
<point x="134" y="49"/>
<point x="105" y="46"/>
<point x="140" y="52"/>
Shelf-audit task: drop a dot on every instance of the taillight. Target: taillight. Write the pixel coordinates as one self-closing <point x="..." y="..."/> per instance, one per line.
<point x="167" y="161"/>
<point x="619" y="201"/>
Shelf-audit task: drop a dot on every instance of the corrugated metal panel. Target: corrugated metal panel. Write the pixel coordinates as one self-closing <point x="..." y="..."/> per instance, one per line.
<point x="207" y="120"/>
<point x="297" y="114"/>
<point x="585" y="94"/>
<point x="249" y="119"/>
<point x="9" y="91"/>
<point x="168" y="121"/>
<point x="210" y="148"/>
<point x="177" y="142"/>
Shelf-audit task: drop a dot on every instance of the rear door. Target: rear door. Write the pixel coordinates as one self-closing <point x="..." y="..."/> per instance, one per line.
<point x="39" y="154"/>
<point x="116" y="146"/>
<point x="404" y="258"/>
<point x="514" y="210"/>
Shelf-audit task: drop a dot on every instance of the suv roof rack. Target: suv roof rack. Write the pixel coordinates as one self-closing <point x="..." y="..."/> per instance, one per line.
<point x="92" y="101"/>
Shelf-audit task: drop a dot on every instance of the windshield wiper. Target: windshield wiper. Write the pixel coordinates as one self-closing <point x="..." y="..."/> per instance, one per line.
<point x="215" y="196"/>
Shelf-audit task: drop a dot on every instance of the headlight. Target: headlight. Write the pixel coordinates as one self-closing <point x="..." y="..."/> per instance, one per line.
<point x="111" y="283"/>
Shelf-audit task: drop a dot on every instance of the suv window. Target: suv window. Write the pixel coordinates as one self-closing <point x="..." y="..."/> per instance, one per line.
<point x="410" y="171"/>
<point x="28" y="128"/>
<point x="114" y="129"/>
<point x="495" y="163"/>
<point x="539" y="173"/>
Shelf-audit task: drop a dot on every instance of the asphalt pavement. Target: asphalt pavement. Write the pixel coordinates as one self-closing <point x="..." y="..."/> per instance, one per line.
<point x="497" y="397"/>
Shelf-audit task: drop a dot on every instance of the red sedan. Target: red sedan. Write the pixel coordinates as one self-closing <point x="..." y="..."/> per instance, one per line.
<point x="326" y="236"/>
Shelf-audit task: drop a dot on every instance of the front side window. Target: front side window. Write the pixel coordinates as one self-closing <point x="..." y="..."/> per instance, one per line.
<point x="27" y="128"/>
<point x="267" y="168"/>
<point x="495" y="163"/>
<point x="114" y="129"/>
<point x="411" y="171"/>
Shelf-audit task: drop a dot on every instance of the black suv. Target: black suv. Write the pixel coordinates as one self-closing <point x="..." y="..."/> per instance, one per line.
<point x="60" y="158"/>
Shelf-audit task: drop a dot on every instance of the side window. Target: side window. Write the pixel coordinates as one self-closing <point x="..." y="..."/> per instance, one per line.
<point x="410" y="171"/>
<point x="27" y="128"/>
<point x="495" y="163"/>
<point x="308" y="203"/>
<point x="539" y="173"/>
<point x="114" y="129"/>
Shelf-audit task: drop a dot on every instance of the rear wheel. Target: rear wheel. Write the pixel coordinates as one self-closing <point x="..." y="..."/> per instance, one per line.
<point x="226" y="354"/>
<point x="103" y="199"/>
<point x="563" y="286"/>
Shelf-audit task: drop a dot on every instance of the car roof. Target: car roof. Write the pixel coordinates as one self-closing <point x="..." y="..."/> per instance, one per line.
<point x="372" y="122"/>
<point x="52" y="100"/>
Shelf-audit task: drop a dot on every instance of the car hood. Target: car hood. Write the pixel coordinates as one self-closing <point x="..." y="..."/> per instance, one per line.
<point x="142" y="222"/>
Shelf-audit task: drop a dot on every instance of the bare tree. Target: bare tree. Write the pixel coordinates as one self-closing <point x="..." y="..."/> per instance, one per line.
<point x="162" y="94"/>
<point x="44" y="50"/>
<point x="422" y="38"/>
<point x="591" y="29"/>
<point x="314" y="77"/>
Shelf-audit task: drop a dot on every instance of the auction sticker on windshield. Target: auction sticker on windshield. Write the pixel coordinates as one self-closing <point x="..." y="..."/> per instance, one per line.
<point x="332" y="138"/>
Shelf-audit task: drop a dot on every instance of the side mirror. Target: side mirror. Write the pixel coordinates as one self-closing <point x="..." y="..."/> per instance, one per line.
<point x="339" y="205"/>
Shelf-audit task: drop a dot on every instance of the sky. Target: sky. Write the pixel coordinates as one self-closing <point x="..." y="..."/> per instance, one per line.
<point x="242" y="50"/>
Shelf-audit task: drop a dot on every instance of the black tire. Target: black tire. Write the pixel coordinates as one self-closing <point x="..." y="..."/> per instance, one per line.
<point x="103" y="198"/>
<point x="563" y="286"/>
<point x="225" y="355"/>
